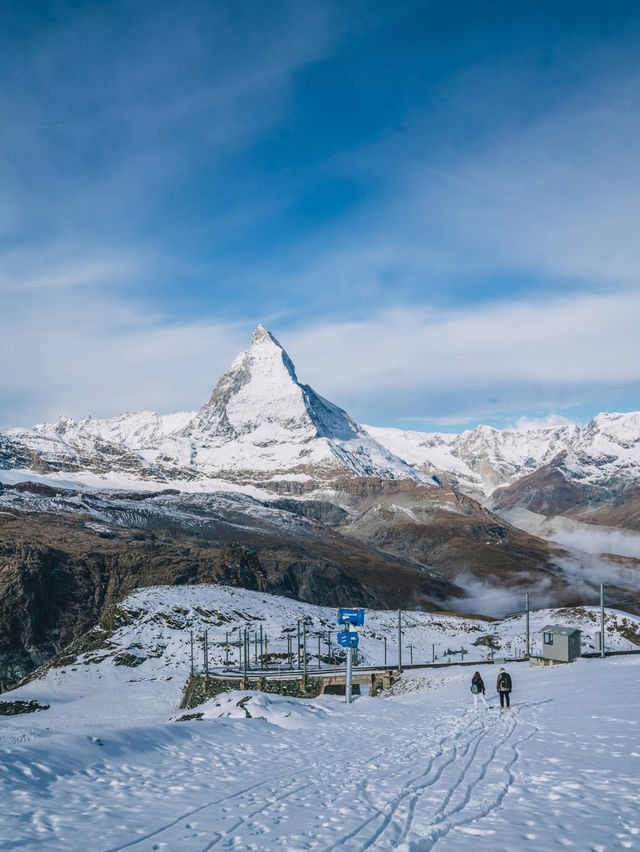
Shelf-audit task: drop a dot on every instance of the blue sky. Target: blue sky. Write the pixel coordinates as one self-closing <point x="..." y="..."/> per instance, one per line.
<point x="434" y="206"/>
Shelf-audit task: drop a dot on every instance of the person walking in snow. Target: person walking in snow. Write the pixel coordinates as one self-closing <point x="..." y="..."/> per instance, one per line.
<point x="503" y="685"/>
<point x="477" y="689"/>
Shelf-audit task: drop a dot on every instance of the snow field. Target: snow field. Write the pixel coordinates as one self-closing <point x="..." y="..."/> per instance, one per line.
<point x="106" y="768"/>
<point x="417" y="771"/>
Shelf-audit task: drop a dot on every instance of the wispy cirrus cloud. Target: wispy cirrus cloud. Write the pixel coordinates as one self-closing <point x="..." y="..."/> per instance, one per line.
<point x="436" y="238"/>
<point x="84" y="350"/>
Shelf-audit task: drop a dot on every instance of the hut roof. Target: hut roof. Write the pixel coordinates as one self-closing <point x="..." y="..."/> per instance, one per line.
<point x="562" y="631"/>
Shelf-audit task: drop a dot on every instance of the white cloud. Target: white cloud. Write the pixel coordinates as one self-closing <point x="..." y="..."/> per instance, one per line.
<point x="527" y="424"/>
<point x="84" y="350"/>
<point x="582" y="339"/>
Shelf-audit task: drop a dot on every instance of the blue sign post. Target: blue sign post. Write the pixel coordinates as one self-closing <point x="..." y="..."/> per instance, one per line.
<point x="349" y="639"/>
<point x="351" y="616"/>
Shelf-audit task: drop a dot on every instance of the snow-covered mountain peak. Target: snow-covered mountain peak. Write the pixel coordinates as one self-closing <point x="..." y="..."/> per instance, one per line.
<point x="623" y="429"/>
<point x="259" y="423"/>
<point x="262" y="416"/>
<point x="62" y="425"/>
<point x="263" y="335"/>
<point x="259" y="392"/>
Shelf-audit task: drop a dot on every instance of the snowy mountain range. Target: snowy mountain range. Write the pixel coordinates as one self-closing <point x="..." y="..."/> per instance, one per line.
<point x="270" y="486"/>
<point x="259" y="426"/>
<point x="484" y="459"/>
<point x="262" y="427"/>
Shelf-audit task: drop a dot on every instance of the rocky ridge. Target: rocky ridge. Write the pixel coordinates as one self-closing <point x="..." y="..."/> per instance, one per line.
<point x="548" y="469"/>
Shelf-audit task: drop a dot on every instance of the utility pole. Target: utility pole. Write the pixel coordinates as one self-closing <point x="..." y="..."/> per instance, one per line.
<point x="226" y="648"/>
<point x="385" y="650"/>
<point x="289" y="654"/>
<point x="261" y="644"/>
<point x="319" y="651"/>
<point x="245" y="655"/>
<point x="304" y="650"/>
<point x="298" y="644"/>
<point x="400" y="641"/>
<point x="433" y="653"/>
<point x="602" y="619"/>
<point x="526" y="604"/>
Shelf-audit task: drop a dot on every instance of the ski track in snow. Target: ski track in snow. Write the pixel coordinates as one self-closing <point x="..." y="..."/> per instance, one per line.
<point x="418" y="770"/>
<point x="466" y="772"/>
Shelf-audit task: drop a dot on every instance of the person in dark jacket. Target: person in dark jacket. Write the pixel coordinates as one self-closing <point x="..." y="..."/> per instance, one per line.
<point x="503" y="685"/>
<point x="477" y="689"/>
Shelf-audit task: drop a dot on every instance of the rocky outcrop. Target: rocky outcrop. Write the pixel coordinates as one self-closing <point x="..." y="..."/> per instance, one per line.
<point x="238" y="565"/>
<point x="558" y="489"/>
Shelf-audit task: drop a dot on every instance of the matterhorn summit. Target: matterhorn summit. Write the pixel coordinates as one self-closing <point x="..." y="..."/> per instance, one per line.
<point x="261" y="418"/>
<point x="260" y="399"/>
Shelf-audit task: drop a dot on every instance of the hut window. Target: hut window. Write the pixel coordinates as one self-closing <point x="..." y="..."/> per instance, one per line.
<point x="548" y="638"/>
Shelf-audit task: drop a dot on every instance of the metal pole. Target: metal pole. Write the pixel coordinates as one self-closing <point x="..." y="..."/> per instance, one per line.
<point x="261" y="643"/>
<point x="602" y="619"/>
<point x="298" y="643"/>
<point x="226" y="648"/>
<point x="385" y="650"/>
<point x="528" y="645"/>
<point x="255" y="647"/>
<point x="206" y="653"/>
<point x="247" y="648"/>
<point x="400" y="641"/>
<point x="319" y="652"/>
<point x="192" y="653"/>
<point x="348" y="687"/>
<point x="289" y="655"/>
<point x="433" y="653"/>
<point x="304" y="648"/>
<point x="246" y="645"/>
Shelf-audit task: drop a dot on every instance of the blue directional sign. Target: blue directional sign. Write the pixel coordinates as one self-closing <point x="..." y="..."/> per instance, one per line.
<point x="348" y="639"/>
<point x="351" y="616"/>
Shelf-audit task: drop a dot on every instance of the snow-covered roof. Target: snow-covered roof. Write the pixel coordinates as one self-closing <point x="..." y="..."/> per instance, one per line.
<point x="562" y="631"/>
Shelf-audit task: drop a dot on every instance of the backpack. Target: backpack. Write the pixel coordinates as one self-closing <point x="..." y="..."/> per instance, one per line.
<point x="505" y="681"/>
<point x="475" y="688"/>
